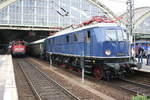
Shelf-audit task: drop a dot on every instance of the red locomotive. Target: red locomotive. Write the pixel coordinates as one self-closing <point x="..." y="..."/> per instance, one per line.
<point x="18" y="48"/>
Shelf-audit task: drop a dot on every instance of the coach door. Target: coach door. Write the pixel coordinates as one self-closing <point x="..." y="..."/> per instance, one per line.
<point x="88" y="41"/>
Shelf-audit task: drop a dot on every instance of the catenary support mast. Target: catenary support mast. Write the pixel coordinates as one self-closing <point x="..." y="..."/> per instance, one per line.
<point x="130" y="22"/>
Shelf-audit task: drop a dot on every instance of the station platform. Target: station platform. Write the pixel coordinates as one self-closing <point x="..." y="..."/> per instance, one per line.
<point x="145" y="68"/>
<point x="8" y="90"/>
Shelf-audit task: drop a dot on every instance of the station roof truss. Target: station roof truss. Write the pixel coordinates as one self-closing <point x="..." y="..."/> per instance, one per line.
<point x="4" y="3"/>
<point x="141" y="20"/>
<point x="50" y="14"/>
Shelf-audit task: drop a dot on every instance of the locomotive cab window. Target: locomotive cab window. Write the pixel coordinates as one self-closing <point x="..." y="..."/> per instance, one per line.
<point x="111" y="35"/>
<point x="88" y="36"/>
<point x="115" y="35"/>
<point x="120" y="35"/>
<point x="125" y="35"/>
<point x="17" y="43"/>
<point x="22" y="43"/>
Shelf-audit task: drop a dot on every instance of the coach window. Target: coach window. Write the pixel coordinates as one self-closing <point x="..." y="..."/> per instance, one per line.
<point x="75" y="37"/>
<point x="88" y="37"/>
<point x="67" y="38"/>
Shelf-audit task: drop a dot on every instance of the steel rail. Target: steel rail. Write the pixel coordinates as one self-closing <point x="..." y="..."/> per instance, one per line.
<point x="30" y="83"/>
<point x="49" y="78"/>
<point x="72" y="96"/>
<point x="140" y="85"/>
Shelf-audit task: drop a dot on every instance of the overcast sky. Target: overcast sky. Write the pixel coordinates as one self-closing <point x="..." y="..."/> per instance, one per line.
<point x="119" y="6"/>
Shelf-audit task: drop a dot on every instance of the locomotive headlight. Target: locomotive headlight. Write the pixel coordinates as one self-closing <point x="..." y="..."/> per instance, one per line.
<point x="108" y="52"/>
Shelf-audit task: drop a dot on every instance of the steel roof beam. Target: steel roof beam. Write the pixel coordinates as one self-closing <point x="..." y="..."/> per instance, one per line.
<point x="29" y="28"/>
<point x="103" y="7"/>
<point x="142" y="18"/>
<point x="5" y="3"/>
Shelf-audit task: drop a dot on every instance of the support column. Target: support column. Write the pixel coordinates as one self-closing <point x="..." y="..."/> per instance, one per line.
<point x="22" y="11"/>
<point x="35" y="13"/>
<point x="8" y="14"/>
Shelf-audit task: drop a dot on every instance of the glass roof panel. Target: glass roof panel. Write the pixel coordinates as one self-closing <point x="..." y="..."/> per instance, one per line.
<point x="48" y="13"/>
<point x="144" y="27"/>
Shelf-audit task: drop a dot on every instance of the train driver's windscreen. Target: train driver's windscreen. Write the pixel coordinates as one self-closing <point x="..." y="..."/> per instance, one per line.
<point x="19" y="43"/>
<point x="115" y="35"/>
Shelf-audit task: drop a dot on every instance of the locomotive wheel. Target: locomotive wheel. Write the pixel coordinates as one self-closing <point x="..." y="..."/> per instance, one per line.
<point x="62" y="65"/>
<point x="78" y="70"/>
<point x="98" y="73"/>
<point x="70" y="68"/>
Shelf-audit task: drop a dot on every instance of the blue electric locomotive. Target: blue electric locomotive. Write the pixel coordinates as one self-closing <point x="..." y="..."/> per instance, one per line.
<point x="104" y="47"/>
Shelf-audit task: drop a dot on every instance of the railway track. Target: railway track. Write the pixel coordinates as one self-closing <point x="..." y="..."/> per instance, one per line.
<point x="24" y="90"/>
<point x="136" y="88"/>
<point x="131" y="87"/>
<point x="43" y="86"/>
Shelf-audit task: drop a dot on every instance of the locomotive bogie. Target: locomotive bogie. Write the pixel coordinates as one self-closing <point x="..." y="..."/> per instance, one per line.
<point x="106" y="69"/>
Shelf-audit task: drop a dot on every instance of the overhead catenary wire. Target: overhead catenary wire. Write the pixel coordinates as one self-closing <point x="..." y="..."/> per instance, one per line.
<point x="64" y="12"/>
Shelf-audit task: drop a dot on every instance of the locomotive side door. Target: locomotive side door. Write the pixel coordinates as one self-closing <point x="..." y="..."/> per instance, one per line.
<point x="88" y="42"/>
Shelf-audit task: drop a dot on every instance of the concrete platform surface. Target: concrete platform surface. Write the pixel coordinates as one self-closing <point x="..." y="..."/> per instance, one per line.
<point x="8" y="90"/>
<point x="145" y="68"/>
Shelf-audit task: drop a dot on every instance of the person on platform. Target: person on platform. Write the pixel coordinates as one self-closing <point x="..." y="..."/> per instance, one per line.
<point x="136" y="50"/>
<point x="140" y="54"/>
<point x="148" y="55"/>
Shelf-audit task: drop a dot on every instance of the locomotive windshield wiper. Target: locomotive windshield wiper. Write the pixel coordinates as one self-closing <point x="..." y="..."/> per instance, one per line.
<point x="109" y="38"/>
